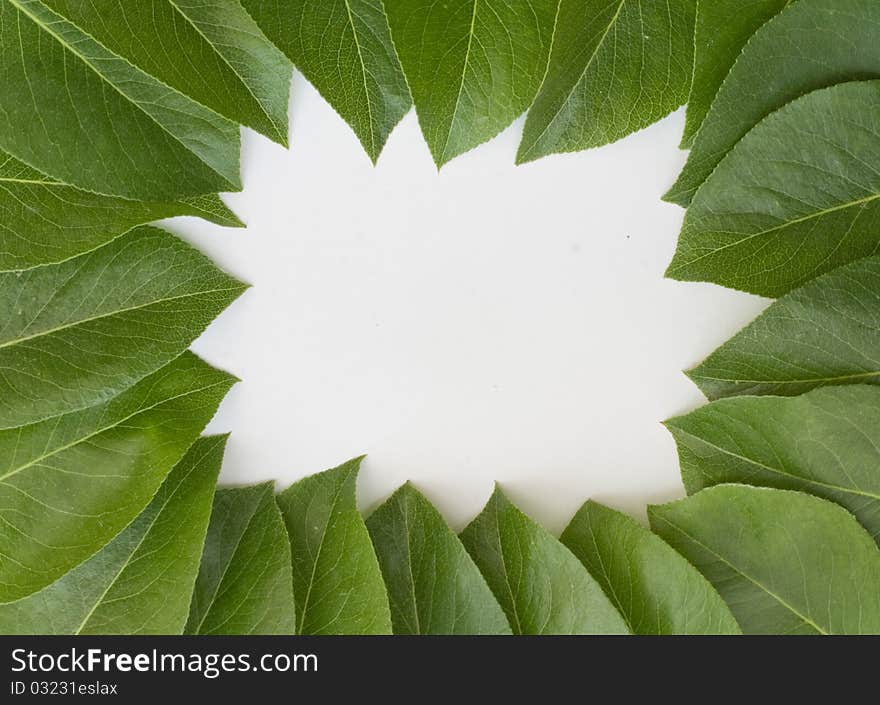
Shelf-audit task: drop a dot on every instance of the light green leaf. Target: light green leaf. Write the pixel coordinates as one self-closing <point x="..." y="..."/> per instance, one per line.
<point x="723" y="28"/>
<point x="654" y="589"/>
<point x="209" y="50"/>
<point x="811" y="45"/>
<point x="71" y="483"/>
<point x="79" y="332"/>
<point x="797" y="197"/>
<point x="616" y="67"/>
<point x="43" y="221"/>
<point x="336" y="578"/>
<point x="72" y="109"/>
<point x="785" y="562"/>
<point x="541" y="586"/>
<point x="826" y="442"/>
<point x="142" y="581"/>
<point x="473" y="66"/>
<point x="433" y="585"/>
<point x="244" y="583"/>
<point x="344" y="48"/>
<point x="827" y="332"/>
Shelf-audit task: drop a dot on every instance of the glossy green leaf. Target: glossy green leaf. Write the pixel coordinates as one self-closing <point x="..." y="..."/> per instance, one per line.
<point x="825" y="333"/>
<point x="616" y="67"/>
<point x="797" y="197"/>
<point x="344" y="48"/>
<point x="43" y="221"/>
<point x="785" y="562"/>
<point x="811" y="45"/>
<point x="336" y="578"/>
<point x="654" y="588"/>
<point x="142" y="581"/>
<point x="71" y="483"/>
<point x="229" y="66"/>
<point x="79" y="332"/>
<point x="540" y="585"/>
<point x="826" y="442"/>
<point x="433" y="585"/>
<point x="473" y="66"/>
<point x="244" y="583"/>
<point x="722" y="29"/>
<point x="72" y="109"/>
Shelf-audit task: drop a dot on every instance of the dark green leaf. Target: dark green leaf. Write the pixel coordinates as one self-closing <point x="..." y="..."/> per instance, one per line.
<point x="473" y="66"/>
<point x="336" y="578"/>
<point x="827" y="332"/>
<point x="797" y="197"/>
<point x="244" y="583"/>
<point x="826" y="442"/>
<point x="344" y="48"/>
<point x="813" y="44"/>
<point x="616" y="67"/>
<point x="433" y="585"/>
<point x="654" y="589"/>
<point x="538" y="582"/>
<point x="785" y="562"/>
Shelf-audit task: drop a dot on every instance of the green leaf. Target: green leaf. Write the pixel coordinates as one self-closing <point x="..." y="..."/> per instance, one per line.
<point x="336" y="578"/>
<point x="344" y="48"/>
<point x="722" y="29"/>
<point x="826" y="442"/>
<point x="43" y="221"/>
<point x="142" y="581"/>
<point x="209" y="50"/>
<point x="541" y="586"/>
<point x="811" y="45"/>
<point x="81" y="331"/>
<point x="615" y="68"/>
<point x="71" y="483"/>
<point x="244" y="583"/>
<point x="795" y="198"/>
<point x="826" y="332"/>
<point x="473" y="66"/>
<point x="654" y="588"/>
<point x="433" y="585"/>
<point x="785" y="562"/>
<point x="72" y="109"/>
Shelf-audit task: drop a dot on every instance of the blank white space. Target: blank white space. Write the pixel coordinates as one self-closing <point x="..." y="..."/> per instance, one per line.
<point x="487" y="322"/>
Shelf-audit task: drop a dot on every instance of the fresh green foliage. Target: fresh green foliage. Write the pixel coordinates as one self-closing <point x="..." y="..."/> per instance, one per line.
<point x="827" y="332"/>
<point x="119" y="113"/>
<point x="43" y="221"/>
<point x="344" y="48"/>
<point x="433" y="585"/>
<point x="245" y="583"/>
<point x="616" y="66"/>
<point x="797" y="197"/>
<point x="473" y="66"/>
<point x="141" y="582"/>
<point x="229" y="66"/>
<point x="826" y="442"/>
<point x="69" y="484"/>
<point x="337" y="583"/>
<point x="125" y="133"/>
<point x="785" y="562"/>
<point x="539" y="583"/>
<point x="80" y="332"/>
<point x="722" y="29"/>
<point x="654" y="589"/>
<point x="841" y="34"/>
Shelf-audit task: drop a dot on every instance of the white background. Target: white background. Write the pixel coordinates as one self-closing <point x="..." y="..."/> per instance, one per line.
<point x="487" y="322"/>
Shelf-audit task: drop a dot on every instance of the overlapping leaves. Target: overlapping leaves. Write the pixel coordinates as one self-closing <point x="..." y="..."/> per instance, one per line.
<point x="109" y="520"/>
